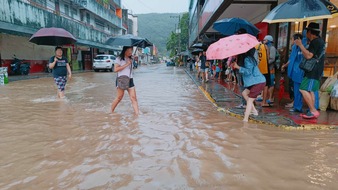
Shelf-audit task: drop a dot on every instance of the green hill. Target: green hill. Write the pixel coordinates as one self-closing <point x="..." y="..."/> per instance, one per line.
<point x="157" y="28"/>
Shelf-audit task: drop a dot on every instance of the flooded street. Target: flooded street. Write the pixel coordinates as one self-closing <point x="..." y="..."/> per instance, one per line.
<point x="179" y="141"/>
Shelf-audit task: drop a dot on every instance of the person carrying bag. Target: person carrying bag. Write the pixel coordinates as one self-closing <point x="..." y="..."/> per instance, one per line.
<point x="124" y="79"/>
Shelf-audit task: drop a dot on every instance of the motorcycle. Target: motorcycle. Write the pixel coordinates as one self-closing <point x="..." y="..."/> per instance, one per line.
<point x="18" y="67"/>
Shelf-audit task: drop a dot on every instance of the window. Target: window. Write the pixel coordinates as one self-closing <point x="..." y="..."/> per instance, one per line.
<point x="74" y="12"/>
<point x="88" y="17"/>
<point x="99" y="24"/>
<point x="67" y="10"/>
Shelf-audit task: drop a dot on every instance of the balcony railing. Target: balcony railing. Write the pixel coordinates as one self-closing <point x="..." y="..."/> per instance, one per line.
<point x="38" y="17"/>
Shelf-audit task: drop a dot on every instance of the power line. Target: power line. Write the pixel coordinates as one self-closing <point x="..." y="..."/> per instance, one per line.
<point x="146" y="6"/>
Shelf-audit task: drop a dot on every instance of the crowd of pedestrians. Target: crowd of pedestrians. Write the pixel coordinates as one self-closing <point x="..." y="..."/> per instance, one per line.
<point x="254" y="72"/>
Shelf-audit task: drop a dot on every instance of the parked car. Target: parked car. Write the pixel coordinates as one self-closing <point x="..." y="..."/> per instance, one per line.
<point x="104" y="62"/>
<point x="170" y="63"/>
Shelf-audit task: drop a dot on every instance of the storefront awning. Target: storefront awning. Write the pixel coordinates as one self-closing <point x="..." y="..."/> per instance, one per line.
<point x="97" y="45"/>
<point x="253" y="11"/>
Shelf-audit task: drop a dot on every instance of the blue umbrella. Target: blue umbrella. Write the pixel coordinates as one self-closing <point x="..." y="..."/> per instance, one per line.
<point x="301" y="10"/>
<point x="230" y="26"/>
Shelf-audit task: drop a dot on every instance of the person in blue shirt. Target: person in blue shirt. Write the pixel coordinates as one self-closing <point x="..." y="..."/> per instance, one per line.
<point x="60" y="67"/>
<point x="295" y="73"/>
<point x="253" y="79"/>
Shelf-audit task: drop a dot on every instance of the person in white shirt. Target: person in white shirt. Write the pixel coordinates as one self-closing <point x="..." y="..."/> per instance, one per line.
<point x="123" y="67"/>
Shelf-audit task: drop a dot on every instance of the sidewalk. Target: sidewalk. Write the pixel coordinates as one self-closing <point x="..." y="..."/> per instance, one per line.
<point x="225" y="96"/>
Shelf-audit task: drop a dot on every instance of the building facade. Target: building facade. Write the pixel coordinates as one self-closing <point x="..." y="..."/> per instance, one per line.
<point x="132" y="24"/>
<point x="91" y="22"/>
<point x="203" y="13"/>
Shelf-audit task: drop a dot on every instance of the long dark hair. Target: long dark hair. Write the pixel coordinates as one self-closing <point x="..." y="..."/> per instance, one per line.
<point x="123" y="52"/>
<point x="241" y="57"/>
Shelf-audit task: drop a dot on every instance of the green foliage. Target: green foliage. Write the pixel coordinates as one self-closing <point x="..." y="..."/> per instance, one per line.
<point x="172" y="41"/>
<point x="159" y="28"/>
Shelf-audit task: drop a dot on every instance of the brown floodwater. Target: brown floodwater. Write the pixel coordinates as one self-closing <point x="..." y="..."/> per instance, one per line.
<point x="179" y="141"/>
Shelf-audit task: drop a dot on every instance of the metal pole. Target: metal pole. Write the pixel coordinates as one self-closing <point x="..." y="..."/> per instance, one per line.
<point x="179" y="34"/>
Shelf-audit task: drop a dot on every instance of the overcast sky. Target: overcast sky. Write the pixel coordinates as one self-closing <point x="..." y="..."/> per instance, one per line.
<point x="156" y="6"/>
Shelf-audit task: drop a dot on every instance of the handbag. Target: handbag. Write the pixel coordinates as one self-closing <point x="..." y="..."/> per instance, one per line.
<point x="308" y="64"/>
<point x="124" y="80"/>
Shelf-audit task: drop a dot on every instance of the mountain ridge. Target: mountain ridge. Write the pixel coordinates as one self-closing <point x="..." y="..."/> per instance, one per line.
<point x="156" y="27"/>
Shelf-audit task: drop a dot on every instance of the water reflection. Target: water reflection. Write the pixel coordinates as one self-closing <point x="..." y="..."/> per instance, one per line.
<point x="179" y="141"/>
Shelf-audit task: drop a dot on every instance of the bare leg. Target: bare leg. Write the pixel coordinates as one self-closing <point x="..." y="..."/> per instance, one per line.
<point x="245" y="94"/>
<point x="249" y="107"/>
<point x="117" y="100"/>
<point x="271" y="93"/>
<point x="133" y="98"/>
<point x="62" y="94"/>
<point x="309" y="98"/>
<point x="265" y="96"/>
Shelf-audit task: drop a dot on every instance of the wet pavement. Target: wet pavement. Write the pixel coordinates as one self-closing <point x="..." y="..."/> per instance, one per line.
<point x="179" y="141"/>
<point x="226" y="97"/>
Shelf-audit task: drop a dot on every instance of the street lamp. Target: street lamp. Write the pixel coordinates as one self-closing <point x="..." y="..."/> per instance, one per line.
<point x="178" y="31"/>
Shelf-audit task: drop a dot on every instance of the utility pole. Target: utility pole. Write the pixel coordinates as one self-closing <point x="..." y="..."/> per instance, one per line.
<point x="178" y="31"/>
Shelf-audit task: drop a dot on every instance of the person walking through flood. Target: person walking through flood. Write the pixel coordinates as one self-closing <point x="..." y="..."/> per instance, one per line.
<point x="254" y="81"/>
<point x="60" y="67"/>
<point x="123" y="67"/>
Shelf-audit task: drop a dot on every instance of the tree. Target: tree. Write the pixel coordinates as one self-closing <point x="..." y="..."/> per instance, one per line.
<point x="172" y="44"/>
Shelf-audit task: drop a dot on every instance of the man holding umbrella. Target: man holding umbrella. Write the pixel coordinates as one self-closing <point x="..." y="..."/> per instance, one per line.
<point x="310" y="82"/>
<point x="60" y="67"/>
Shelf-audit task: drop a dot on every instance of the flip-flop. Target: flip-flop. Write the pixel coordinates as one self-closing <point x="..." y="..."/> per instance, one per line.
<point x="269" y="102"/>
<point x="267" y="105"/>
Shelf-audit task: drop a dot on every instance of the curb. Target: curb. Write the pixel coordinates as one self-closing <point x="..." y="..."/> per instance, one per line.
<point x="253" y="120"/>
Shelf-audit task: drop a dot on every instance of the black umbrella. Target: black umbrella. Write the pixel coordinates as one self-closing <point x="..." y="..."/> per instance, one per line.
<point x="53" y="37"/>
<point x="301" y="10"/>
<point x="144" y="43"/>
<point x="185" y="53"/>
<point x="196" y="51"/>
<point x="200" y="46"/>
<point x="127" y="40"/>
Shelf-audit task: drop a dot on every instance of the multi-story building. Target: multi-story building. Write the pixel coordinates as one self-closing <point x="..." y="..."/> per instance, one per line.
<point x="132" y="24"/>
<point x="203" y="13"/>
<point x="91" y="22"/>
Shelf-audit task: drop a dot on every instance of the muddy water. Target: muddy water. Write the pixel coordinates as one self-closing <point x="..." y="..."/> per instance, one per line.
<point x="179" y="141"/>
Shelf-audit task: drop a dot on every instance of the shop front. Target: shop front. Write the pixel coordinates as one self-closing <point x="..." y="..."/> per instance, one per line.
<point x="329" y="33"/>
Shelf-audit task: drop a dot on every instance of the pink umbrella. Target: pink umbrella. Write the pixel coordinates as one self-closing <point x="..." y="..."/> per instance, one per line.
<point x="230" y="46"/>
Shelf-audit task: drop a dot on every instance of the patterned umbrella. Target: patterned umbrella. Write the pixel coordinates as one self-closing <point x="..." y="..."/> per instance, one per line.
<point x="230" y="46"/>
<point x="301" y="10"/>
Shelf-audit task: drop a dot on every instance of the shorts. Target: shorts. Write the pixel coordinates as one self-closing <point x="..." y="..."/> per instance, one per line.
<point x="310" y="85"/>
<point x="272" y="80"/>
<point x="131" y="83"/>
<point x="256" y="89"/>
<point x="61" y="82"/>
<point x="268" y="79"/>
<point x="202" y="70"/>
<point x="206" y="70"/>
